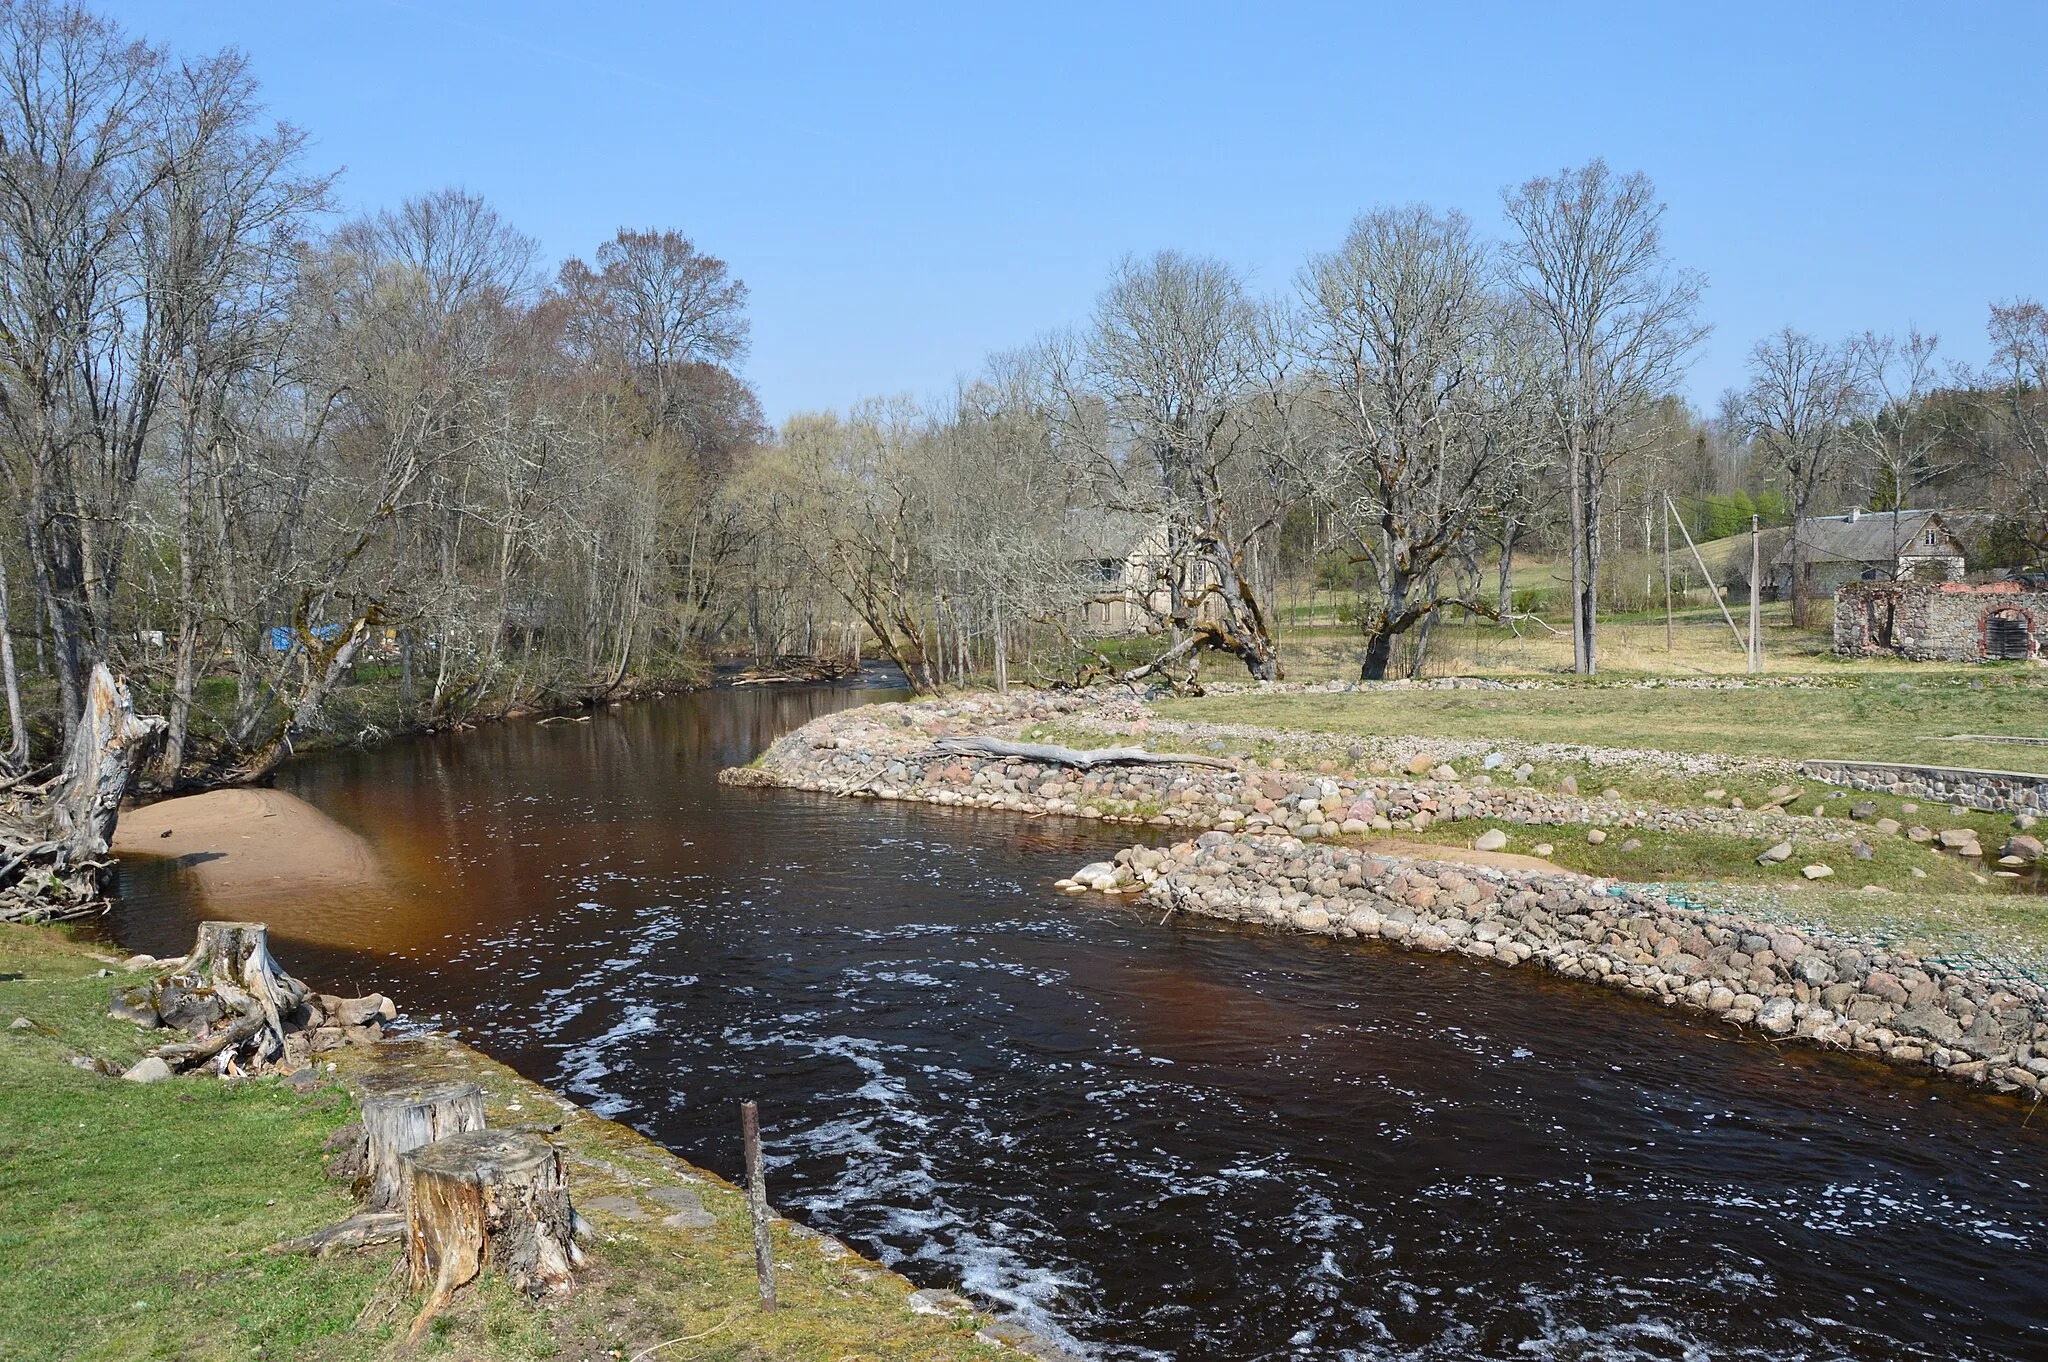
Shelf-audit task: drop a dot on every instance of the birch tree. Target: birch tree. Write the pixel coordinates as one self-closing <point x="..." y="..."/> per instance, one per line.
<point x="1587" y="254"/>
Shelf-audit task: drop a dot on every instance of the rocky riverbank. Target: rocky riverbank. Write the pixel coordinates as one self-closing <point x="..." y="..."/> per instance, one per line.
<point x="1749" y="973"/>
<point x="1321" y="786"/>
<point x="1265" y="855"/>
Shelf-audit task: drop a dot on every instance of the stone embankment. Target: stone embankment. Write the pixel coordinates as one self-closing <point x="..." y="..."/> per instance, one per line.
<point x="1997" y="791"/>
<point x="1323" y="788"/>
<point x="1889" y="1005"/>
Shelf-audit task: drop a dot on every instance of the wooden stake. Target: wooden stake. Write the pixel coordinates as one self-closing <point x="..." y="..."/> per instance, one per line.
<point x="757" y="1202"/>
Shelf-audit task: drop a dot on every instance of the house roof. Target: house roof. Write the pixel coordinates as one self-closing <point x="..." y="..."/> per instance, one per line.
<point x="1872" y="537"/>
<point x="1099" y="534"/>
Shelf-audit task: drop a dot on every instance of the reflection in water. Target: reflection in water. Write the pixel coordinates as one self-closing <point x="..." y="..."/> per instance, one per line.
<point x="1158" y="1140"/>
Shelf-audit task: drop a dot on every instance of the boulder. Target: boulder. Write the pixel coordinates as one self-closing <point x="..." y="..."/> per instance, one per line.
<point x="2023" y="845"/>
<point x="1955" y="839"/>
<point x="1817" y="871"/>
<point x="1493" y="839"/>
<point x="1595" y="837"/>
<point x="1775" y="855"/>
<point x="1863" y="810"/>
<point x="149" y="1069"/>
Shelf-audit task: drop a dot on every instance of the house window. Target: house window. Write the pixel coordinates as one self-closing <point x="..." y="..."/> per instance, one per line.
<point x="1930" y="539"/>
<point x="1110" y="569"/>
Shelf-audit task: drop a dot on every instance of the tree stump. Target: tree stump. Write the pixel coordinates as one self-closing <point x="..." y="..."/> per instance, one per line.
<point x="234" y="959"/>
<point x="486" y="1196"/>
<point x="400" y="1118"/>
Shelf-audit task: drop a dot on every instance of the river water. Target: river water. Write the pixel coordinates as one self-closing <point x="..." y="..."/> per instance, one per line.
<point x="1151" y="1141"/>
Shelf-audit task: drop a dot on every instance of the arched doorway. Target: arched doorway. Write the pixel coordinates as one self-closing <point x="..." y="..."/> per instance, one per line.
<point x="2006" y="634"/>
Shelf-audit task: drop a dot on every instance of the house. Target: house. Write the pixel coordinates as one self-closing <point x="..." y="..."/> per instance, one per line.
<point x="1123" y="559"/>
<point x="1868" y="546"/>
<point x="1941" y="621"/>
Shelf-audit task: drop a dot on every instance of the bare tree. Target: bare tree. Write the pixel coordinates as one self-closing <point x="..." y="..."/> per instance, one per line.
<point x="1588" y="256"/>
<point x="1158" y="411"/>
<point x="1798" y="411"/>
<point x="78" y="334"/>
<point x="2014" y="390"/>
<point x="1414" y="426"/>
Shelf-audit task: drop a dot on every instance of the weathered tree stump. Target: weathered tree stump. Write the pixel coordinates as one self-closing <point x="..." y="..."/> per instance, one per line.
<point x="400" y="1118"/>
<point x="230" y="992"/>
<point x="486" y="1197"/>
<point x="234" y="959"/>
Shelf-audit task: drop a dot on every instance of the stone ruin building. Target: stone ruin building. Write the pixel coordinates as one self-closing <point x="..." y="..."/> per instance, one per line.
<point x="1941" y="621"/>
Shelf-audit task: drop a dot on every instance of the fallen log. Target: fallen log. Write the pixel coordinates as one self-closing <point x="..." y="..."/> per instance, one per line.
<point x="1079" y="758"/>
<point x="486" y="1197"/>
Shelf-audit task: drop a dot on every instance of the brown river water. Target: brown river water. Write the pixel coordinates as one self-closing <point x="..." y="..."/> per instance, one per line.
<point x="1181" y="1140"/>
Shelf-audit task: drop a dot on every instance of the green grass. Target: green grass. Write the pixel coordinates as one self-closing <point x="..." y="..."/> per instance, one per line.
<point x="136" y="1215"/>
<point x="1879" y="718"/>
<point x="133" y="1220"/>
<point x="1696" y="856"/>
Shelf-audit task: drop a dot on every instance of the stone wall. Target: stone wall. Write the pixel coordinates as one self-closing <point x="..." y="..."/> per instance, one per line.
<point x="1930" y="621"/>
<point x="1799" y="985"/>
<point x="1997" y="791"/>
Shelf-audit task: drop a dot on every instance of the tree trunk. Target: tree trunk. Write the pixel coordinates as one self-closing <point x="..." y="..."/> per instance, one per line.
<point x="405" y="1117"/>
<point x="16" y="756"/>
<point x="112" y="742"/>
<point x="1509" y="534"/>
<point x="486" y="1197"/>
<point x="1576" y="472"/>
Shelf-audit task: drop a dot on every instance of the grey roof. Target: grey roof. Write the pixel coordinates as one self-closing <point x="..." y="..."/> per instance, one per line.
<point x="1099" y="534"/>
<point x="1873" y="537"/>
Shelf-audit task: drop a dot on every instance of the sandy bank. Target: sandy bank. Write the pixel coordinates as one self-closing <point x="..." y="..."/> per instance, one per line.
<point x="250" y="844"/>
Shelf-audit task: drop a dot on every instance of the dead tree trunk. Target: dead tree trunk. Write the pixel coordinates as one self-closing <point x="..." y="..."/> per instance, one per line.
<point x="230" y="990"/>
<point x="397" y="1121"/>
<point x="486" y="1197"/>
<point x="112" y="742"/>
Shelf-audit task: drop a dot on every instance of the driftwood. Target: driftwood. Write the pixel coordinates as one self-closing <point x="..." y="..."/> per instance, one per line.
<point x="1079" y="758"/>
<point x="486" y="1197"/>
<point x="400" y="1119"/>
<point x="366" y="1230"/>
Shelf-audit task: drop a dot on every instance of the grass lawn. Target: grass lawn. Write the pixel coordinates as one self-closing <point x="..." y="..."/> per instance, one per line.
<point x="134" y="1218"/>
<point x="1877" y="717"/>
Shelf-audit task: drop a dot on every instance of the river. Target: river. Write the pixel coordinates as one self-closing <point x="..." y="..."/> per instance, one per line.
<point x="1148" y="1140"/>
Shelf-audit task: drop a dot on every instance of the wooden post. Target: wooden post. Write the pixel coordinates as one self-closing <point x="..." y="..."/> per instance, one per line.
<point x="1756" y="561"/>
<point x="1670" y="644"/>
<point x="757" y="1202"/>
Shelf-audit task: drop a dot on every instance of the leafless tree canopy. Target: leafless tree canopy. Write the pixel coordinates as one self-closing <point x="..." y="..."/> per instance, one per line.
<point x="296" y="476"/>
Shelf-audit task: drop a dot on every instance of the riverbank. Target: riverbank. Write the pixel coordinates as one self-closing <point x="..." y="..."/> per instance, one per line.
<point x="1334" y="794"/>
<point x="1787" y="984"/>
<point x="147" y="1210"/>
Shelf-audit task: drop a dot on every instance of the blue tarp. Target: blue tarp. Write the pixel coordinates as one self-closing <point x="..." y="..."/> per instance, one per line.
<point x="282" y="636"/>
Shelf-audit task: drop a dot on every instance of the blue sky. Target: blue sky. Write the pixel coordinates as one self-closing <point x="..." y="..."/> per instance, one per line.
<point x="908" y="188"/>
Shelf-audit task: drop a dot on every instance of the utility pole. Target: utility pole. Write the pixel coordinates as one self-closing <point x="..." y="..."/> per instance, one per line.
<point x="1669" y="644"/>
<point x="1756" y="614"/>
